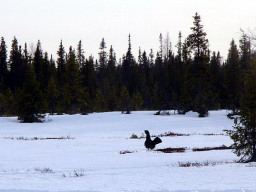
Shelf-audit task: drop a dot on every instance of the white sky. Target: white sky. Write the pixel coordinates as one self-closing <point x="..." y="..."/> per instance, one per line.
<point x="90" y="20"/>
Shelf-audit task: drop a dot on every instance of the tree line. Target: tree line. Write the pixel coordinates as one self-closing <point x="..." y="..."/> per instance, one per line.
<point x="193" y="78"/>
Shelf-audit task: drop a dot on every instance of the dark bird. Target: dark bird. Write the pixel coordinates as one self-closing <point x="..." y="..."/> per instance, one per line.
<point x="149" y="144"/>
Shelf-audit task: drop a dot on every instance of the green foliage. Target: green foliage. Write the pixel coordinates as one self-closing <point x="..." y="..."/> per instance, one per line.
<point x="244" y="132"/>
<point x="233" y="79"/>
<point x="72" y="89"/>
<point x="197" y="82"/>
<point x="187" y="80"/>
<point x="30" y="102"/>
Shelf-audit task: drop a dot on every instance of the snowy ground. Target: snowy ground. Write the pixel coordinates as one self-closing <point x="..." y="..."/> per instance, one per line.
<point x="91" y="159"/>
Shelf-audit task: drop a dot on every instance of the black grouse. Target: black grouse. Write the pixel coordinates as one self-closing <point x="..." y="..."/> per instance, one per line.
<point x="149" y="144"/>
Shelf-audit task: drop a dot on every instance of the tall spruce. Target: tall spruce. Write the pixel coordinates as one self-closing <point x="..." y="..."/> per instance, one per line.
<point x="232" y="79"/>
<point x="244" y="132"/>
<point x="72" y="89"/>
<point x="199" y="81"/>
<point x="17" y="69"/>
<point x="30" y="103"/>
<point x="61" y="61"/>
<point x="80" y="57"/>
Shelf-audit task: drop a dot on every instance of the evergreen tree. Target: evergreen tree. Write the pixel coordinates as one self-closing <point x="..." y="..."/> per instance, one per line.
<point x="17" y="69"/>
<point x="198" y="45"/>
<point x="102" y="55"/>
<point x="38" y="63"/>
<point x="61" y="61"/>
<point x="3" y="64"/>
<point x="88" y="77"/>
<point x="80" y="58"/>
<point x="52" y="69"/>
<point x="72" y="89"/>
<point x="128" y="68"/>
<point x="232" y="78"/>
<point x="244" y="133"/>
<point x="216" y="81"/>
<point x="30" y="102"/>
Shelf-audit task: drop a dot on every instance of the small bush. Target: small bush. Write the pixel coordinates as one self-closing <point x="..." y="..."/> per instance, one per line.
<point x="134" y="136"/>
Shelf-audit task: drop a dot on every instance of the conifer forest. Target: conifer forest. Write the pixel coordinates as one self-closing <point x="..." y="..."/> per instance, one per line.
<point x="191" y="78"/>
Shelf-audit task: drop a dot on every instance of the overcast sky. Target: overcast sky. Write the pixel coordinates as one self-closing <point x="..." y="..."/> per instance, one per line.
<point x="90" y="20"/>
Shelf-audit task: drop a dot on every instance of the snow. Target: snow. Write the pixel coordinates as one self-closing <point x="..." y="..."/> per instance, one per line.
<point x="94" y="152"/>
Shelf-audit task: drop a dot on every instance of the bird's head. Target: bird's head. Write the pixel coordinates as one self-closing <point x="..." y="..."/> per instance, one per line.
<point x="146" y="131"/>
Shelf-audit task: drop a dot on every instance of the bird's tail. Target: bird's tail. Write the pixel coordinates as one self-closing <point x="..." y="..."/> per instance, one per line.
<point x="157" y="140"/>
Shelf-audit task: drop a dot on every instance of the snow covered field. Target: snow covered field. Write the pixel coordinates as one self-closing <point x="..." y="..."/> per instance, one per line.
<point x="88" y="158"/>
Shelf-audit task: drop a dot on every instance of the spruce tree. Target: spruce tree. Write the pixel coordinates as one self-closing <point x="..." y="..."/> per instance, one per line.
<point x="232" y="79"/>
<point x="61" y="61"/>
<point x="17" y="69"/>
<point x="80" y="58"/>
<point x="30" y="102"/>
<point x="3" y="65"/>
<point x="244" y="132"/>
<point x="72" y="89"/>
<point x="198" y="72"/>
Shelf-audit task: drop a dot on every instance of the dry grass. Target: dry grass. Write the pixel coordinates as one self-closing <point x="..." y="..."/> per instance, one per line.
<point x="223" y="147"/>
<point x="39" y="138"/>
<point x="126" y="151"/>
<point x="172" y="150"/>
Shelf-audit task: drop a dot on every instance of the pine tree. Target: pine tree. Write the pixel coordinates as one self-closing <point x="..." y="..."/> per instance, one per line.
<point x="244" y="133"/>
<point x="30" y="102"/>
